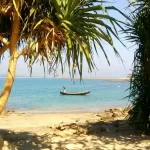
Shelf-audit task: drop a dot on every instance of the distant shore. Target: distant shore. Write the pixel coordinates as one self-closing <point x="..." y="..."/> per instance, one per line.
<point x="67" y="78"/>
<point x="106" y="79"/>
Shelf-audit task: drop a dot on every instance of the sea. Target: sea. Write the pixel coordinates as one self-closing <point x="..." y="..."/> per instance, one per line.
<point x="42" y="95"/>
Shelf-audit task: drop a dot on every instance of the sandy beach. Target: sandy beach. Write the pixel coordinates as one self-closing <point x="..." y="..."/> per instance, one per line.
<point x="78" y="131"/>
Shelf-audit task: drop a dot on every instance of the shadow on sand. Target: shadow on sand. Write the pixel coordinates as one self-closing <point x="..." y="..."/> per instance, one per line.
<point x="119" y="134"/>
<point x="113" y="135"/>
<point x="25" y="140"/>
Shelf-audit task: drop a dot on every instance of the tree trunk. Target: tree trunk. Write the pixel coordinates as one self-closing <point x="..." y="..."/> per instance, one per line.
<point x="8" y="83"/>
<point x="12" y="60"/>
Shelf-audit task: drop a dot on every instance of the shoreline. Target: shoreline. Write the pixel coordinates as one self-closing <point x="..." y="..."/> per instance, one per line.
<point x="69" y="111"/>
<point x="54" y="118"/>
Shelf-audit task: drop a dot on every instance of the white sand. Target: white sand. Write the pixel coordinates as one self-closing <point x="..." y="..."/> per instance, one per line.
<point x="80" y="131"/>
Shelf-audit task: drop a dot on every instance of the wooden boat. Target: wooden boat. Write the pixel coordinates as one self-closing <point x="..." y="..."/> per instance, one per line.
<point x="74" y="93"/>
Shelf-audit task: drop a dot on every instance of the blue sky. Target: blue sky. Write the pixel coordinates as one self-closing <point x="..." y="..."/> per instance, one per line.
<point x="117" y="69"/>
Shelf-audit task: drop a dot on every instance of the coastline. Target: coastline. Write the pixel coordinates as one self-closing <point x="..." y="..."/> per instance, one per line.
<point x="67" y="78"/>
<point x="105" y="130"/>
<point x="68" y="111"/>
<point x="103" y="79"/>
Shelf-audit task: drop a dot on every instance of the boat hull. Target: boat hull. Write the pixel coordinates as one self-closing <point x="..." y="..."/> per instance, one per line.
<point x="74" y="93"/>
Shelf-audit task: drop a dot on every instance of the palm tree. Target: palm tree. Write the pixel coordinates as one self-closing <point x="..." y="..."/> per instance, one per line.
<point x="140" y="80"/>
<point x="47" y="28"/>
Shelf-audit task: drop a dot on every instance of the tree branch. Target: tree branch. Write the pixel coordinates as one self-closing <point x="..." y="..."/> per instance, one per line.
<point x="3" y="40"/>
<point x="23" y="52"/>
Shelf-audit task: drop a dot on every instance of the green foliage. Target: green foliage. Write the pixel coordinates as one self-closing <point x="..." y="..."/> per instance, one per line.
<point x="140" y="80"/>
<point x="51" y="29"/>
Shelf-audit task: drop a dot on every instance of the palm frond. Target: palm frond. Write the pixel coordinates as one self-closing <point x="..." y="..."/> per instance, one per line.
<point x="139" y="33"/>
<point x="48" y="28"/>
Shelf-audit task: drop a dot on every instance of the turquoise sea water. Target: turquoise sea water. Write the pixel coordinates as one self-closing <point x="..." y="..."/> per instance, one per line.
<point x="39" y="94"/>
